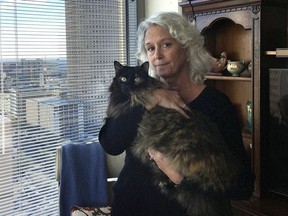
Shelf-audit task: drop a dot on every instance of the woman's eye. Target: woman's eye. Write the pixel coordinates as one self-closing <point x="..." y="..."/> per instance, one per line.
<point x="150" y="49"/>
<point x="123" y="79"/>
<point x="165" y="45"/>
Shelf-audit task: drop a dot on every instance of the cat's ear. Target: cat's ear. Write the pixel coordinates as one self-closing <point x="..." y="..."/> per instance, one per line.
<point x="117" y="66"/>
<point x="145" y="66"/>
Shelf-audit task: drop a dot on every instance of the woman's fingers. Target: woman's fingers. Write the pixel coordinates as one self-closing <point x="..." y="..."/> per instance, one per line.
<point x="171" y="100"/>
<point x="164" y="164"/>
<point x="182" y="112"/>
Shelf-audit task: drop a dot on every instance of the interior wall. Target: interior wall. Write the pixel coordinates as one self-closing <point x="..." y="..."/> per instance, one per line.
<point x="154" y="6"/>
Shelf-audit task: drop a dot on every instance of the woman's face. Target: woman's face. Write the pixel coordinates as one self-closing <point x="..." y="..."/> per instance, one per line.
<point x="165" y="54"/>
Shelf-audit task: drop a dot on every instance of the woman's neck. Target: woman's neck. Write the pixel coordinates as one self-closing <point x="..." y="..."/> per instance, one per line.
<point x="187" y="89"/>
<point x="190" y="91"/>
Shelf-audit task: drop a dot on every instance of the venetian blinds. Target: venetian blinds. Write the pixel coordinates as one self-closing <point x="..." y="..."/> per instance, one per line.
<point x="56" y="65"/>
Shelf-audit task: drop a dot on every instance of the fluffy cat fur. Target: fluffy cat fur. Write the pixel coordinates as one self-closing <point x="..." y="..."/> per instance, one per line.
<point x="130" y="87"/>
<point x="194" y="146"/>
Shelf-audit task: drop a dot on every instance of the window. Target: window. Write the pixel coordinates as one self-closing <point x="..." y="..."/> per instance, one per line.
<point x="56" y="66"/>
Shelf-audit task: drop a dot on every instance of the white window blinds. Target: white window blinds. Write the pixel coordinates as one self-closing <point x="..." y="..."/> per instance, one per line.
<point x="56" y="65"/>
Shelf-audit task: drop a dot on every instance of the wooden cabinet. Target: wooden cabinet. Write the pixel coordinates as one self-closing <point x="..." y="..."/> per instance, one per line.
<point x="245" y="30"/>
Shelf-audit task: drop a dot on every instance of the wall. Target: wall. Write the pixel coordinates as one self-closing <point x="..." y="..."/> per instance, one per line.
<point x="153" y="6"/>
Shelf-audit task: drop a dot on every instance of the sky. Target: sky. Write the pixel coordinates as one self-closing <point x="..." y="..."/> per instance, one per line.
<point x="32" y="28"/>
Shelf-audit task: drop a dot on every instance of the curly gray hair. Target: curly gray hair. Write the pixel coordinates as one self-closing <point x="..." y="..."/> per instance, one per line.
<point x="187" y="35"/>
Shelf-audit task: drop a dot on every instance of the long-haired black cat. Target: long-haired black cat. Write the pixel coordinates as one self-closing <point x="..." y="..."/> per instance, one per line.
<point x="131" y="86"/>
<point x="194" y="146"/>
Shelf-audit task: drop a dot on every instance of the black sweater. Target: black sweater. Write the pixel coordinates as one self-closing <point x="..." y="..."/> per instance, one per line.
<point x="134" y="192"/>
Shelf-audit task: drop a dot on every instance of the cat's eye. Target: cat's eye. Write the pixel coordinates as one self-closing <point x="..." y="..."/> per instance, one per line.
<point x="137" y="80"/>
<point x="123" y="79"/>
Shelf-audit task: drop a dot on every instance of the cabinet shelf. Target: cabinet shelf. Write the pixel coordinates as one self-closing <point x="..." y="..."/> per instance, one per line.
<point x="230" y="78"/>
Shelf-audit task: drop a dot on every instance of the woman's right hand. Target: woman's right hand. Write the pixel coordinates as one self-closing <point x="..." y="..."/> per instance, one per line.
<point x="165" y="165"/>
<point x="168" y="99"/>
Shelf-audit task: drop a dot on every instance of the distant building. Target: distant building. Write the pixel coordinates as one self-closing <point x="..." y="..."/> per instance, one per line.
<point x="18" y="96"/>
<point x="62" y="117"/>
<point x="31" y="70"/>
<point x="5" y="107"/>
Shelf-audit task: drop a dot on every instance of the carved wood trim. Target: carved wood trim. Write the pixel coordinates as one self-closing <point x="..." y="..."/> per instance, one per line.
<point x="224" y="10"/>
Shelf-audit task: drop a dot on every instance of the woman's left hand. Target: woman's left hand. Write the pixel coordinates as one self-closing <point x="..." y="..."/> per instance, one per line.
<point x="168" y="99"/>
<point x="164" y="164"/>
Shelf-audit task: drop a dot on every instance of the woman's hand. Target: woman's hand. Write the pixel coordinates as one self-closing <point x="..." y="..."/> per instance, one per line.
<point x="164" y="164"/>
<point x="168" y="99"/>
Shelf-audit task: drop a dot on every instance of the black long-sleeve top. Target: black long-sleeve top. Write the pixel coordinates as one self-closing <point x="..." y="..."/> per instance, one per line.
<point x="134" y="192"/>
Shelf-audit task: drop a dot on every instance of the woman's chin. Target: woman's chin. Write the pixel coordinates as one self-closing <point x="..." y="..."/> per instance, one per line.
<point x="172" y="87"/>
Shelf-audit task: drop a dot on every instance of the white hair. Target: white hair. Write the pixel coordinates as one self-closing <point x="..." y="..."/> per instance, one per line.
<point x="186" y="34"/>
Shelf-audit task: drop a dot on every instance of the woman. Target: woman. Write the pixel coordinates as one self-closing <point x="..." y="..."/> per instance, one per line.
<point x="176" y="54"/>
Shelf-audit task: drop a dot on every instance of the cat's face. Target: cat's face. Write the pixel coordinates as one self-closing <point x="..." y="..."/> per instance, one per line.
<point x="129" y="79"/>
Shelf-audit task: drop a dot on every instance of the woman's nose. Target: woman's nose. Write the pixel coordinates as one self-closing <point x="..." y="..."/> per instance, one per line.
<point x="158" y="53"/>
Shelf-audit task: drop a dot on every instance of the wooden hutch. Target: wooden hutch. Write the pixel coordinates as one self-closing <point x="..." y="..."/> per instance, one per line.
<point x="245" y="30"/>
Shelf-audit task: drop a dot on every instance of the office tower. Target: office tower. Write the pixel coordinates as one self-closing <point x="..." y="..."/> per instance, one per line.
<point x="96" y="37"/>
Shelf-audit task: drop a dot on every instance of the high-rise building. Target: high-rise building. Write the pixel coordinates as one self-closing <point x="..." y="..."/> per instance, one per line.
<point x="96" y="35"/>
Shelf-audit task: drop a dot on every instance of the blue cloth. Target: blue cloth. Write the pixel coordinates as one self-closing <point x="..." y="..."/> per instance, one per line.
<point x="83" y="179"/>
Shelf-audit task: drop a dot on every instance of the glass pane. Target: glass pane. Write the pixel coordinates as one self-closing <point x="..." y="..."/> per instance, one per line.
<point x="56" y="65"/>
<point x="278" y="148"/>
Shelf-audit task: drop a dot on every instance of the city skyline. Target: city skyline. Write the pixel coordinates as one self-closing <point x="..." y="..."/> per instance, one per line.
<point x="33" y="36"/>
